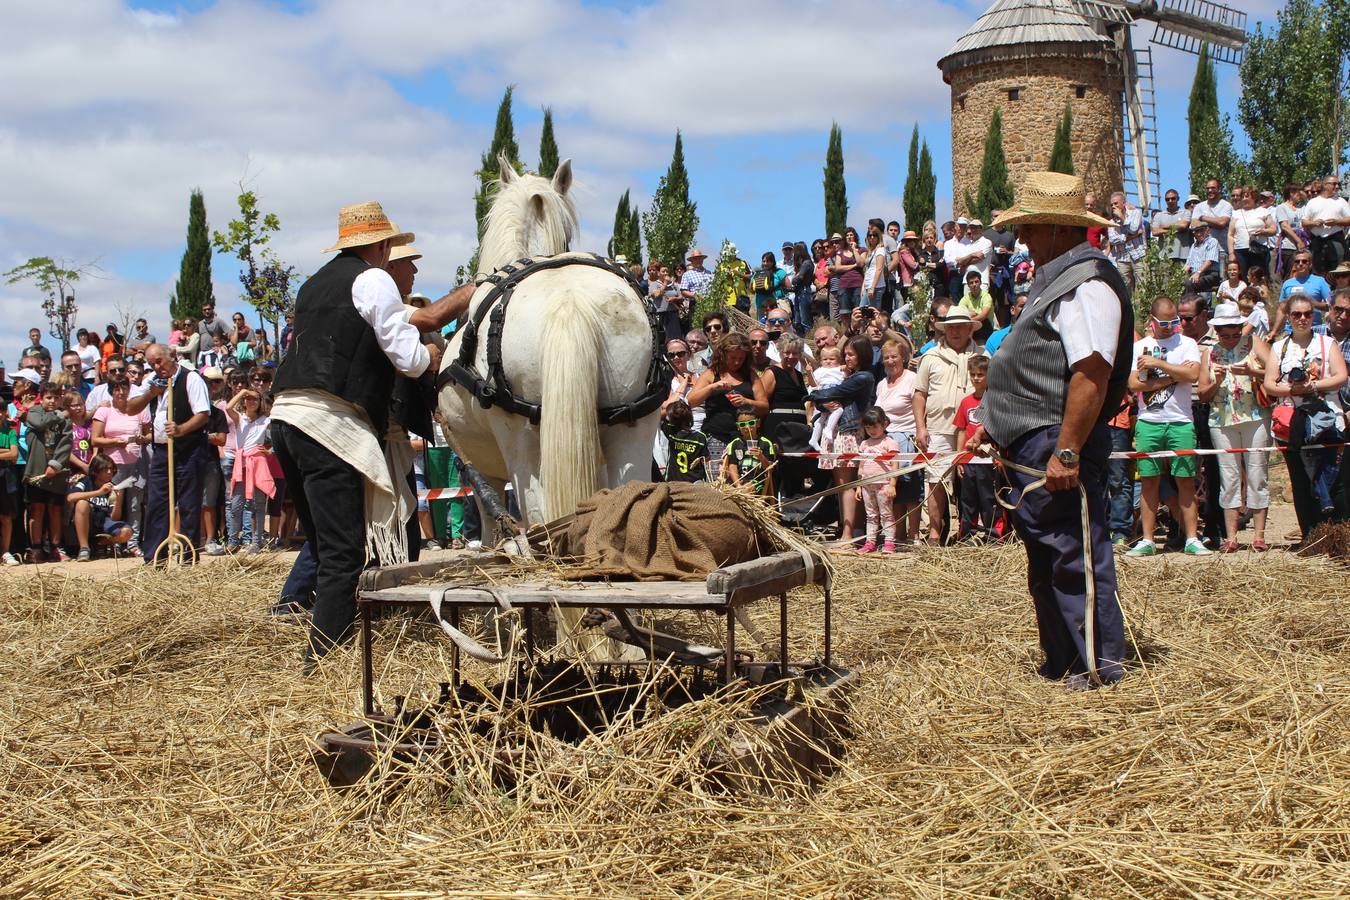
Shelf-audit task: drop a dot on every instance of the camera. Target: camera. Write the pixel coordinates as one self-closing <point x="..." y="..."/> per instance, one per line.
<point x="159" y="381"/>
<point x="868" y="312"/>
<point x="1298" y="375"/>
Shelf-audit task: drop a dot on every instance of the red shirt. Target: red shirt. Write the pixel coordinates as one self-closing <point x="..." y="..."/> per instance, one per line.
<point x="968" y="416"/>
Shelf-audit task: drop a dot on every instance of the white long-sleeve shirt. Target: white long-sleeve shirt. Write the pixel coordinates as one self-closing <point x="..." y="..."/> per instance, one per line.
<point x="376" y="298"/>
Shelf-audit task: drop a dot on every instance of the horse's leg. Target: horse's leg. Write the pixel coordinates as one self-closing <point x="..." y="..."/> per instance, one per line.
<point x="628" y="451"/>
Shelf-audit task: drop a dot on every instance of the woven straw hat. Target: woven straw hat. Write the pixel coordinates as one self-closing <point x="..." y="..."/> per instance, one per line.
<point x="1050" y="198"/>
<point x="364" y="224"/>
<point x="404" y="251"/>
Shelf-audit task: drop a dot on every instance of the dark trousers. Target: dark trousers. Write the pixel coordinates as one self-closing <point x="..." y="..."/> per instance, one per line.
<point x="1327" y="252"/>
<point x="1050" y="524"/>
<point x="329" y="498"/>
<point x="1120" y="487"/>
<point x="1309" y="466"/>
<point x="1215" y="526"/>
<point x="304" y="577"/>
<point x="187" y="487"/>
<point x="977" y="500"/>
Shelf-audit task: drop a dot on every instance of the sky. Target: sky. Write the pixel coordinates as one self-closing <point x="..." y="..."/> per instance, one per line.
<point x="114" y="111"/>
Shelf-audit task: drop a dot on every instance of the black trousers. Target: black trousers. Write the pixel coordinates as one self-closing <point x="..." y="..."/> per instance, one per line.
<point x="329" y="498"/>
<point x="1215" y="526"/>
<point x="977" y="500"/>
<point x="187" y="486"/>
<point x="1327" y="252"/>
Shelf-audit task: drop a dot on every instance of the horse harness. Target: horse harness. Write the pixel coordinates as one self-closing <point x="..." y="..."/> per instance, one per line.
<point x="495" y="389"/>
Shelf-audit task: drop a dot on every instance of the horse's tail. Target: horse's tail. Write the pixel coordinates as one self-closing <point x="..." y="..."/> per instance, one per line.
<point x="569" y="431"/>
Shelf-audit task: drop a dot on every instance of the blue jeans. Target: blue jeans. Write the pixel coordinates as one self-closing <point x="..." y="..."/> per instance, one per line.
<point x="1119" y="486"/>
<point x="801" y="309"/>
<point x="849" y="298"/>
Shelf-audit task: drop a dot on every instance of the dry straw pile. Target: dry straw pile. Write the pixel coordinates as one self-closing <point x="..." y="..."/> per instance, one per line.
<point x="155" y="743"/>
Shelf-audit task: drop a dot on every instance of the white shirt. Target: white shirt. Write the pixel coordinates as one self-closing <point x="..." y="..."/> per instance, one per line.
<point x="953" y="250"/>
<point x="376" y="298"/>
<point x="98" y="395"/>
<point x="199" y="398"/>
<point x="1170" y="404"/>
<point x="1326" y="208"/>
<point x="249" y="433"/>
<point x="89" y="357"/>
<point x="987" y="246"/>
<point x="1088" y="325"/>
<point x="1245" y="221"/>
<point x="1220" y="209"/>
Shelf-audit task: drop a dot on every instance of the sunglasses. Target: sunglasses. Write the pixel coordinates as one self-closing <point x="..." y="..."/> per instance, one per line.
<point x="750" y="423"/>
<point x="759" y="343"/>
<point x="1340" y="310"/>
<point x="1306" y="314"/>
<point x="678" y="354"/>
<point x="1187" y="318"/>
<point x="116" y="371"/>
<point x="1302" y="261"/>
<point x="778" y="321"/>
<point x="712" y="328"/>
<point x="1167" y="323"/>
<point x="261" y="379"/>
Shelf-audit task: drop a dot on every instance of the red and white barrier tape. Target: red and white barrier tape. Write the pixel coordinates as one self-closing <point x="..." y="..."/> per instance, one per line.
<point x="845" y="458"/>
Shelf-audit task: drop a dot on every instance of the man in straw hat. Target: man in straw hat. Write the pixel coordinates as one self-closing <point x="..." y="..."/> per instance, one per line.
<point x="353" y="338"/>
<point x="1059" y="376"/>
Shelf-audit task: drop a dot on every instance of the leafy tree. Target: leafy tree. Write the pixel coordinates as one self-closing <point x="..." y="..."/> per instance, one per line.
<point x="1211" y="137"/>
<point x="926" y="199"/>
<point x="269" y="284"/>
<point x="633" y="250"/>
<point x="1294" y="104"/>
<point x="620" y="236"/>
<point x="836" y="191"/>
<point x="503" y="142"/>
<point x="193" y="289"/>
<point x="995" y="190"/>
<point x="56" y="279"/>
<point x="548" y="147"/>
<point x="672" y="221"/>
<point x="912" y="185"/>
<point x="1061" y="155"/>
<point x="1162" y="277"/>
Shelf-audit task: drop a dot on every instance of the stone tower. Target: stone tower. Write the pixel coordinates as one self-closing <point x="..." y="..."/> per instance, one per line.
<point x="1029" y="58"/>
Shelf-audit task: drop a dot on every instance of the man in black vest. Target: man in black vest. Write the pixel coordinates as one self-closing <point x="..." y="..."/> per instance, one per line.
<point x="353" y="338"/>
<point x="191" y="452"/>
<point x="1057" y="378"/>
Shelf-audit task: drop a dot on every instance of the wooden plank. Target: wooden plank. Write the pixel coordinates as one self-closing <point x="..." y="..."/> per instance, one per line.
<point x="763" y="577"/>
<point x="383" y="577"/>
<point x="656" y="595"/>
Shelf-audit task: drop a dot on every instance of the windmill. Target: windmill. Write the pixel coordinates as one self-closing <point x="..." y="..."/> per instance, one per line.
<point x="1030" y="58"/>
<point x="1184" y="25"/>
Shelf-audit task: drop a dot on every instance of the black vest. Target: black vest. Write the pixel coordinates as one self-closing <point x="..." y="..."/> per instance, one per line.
<point x="333" y="349"/>
<point x="182" y="411"/>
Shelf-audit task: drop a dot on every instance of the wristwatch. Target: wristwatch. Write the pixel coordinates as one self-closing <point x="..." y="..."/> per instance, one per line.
<point x="1067" y="457"/>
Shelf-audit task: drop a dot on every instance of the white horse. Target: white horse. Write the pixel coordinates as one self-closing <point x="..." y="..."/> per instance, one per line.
<point x="575" y="339"/>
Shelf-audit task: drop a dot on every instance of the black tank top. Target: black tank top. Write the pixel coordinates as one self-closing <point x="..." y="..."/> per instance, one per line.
<point x="789" y="390"/>
<point x="719" y="418"/>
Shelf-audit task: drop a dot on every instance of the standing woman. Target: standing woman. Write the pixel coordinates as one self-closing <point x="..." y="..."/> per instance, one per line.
<point x="847" y="266"/>
<point x="728" y="386"/>
<point x="192" y="346"/>
<point x="895" y="396"/>
<point x="1248" y="227"/>
<point x="803" y="287"/>
<point x="1305" y="375"/>
<point x="823" y="304"/>
<point x="874" y="276"/>
<point x="854" y="395"/>
<point x="907" y="262"/>
<point x="786" y="424"/>
<point x="121" y="436"/>
<point x="90" y="357"/>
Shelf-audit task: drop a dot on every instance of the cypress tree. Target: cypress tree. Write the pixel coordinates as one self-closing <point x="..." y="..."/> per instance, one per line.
<point x="548" y="147"/>
<point x="926" y="201"/>
<point x="193" y="289"/>
<point x="503" y="142"/>
<point x="995" y="190"/>
<point x="672" y="221"/>
<point x="634" y="247"/>
<point x="912" y="185"/>
<point x="836" y="191"/>
<point x="1202" y="117"/>
<point x="619" y="241"/>
<point x="1061" y="155"/>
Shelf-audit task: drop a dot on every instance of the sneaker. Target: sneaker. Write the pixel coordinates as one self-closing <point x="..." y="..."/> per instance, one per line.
<point x="84" y="555"/>
<point x="888" y="547"/>
<point x="58" y="555"/>
<point x="1120" y="540"/>
<point x="253" y="549"/>
<point x="213" y="548"/>
<point x="1196" y="547"/>
<point x="10" y="559"/>
<point x="868" y="547"/>
<point x="432" y="544"/>
<point x="134" y="551"/>
<point x="1145" y="548"/>
<point x="231" y="547"/>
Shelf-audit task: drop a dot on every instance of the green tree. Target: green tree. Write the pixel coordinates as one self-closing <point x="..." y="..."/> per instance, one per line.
<point x="995" y="190"/>
<point x="1211" y="137"/>
<point x="619" y="241"/>
<point x="912" y="185"/>
<point x="56" y="279"/>
<point x="1061" y="155"/>
<point x="926" y="208"/>
<point x="193" y="289"/>
<point x="836" y="191"/>
<point x="269" y="284"/>
<point x="633" y="249"/>
<point x="503" y="142"/>
<point x="672" y="221"/>
<point x="1294" y="102"/>
<point x="1162" y="277"/>
<point x="548" y="147"/>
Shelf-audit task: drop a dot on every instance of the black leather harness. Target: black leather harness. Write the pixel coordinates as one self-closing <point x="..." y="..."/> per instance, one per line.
<point x="495" y="389"/>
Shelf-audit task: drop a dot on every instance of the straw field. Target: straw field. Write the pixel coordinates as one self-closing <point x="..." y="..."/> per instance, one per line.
<point x="156" y="740"/>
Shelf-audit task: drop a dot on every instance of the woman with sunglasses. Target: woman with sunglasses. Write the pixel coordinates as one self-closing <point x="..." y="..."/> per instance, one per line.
<point x="120" y="436"/>
<point x="727" y="388"/>
<point x="854" y="395"/>
<point x="787" y="424"/>
<point x="192" y="345"/>
<point x="1305" y="374"/>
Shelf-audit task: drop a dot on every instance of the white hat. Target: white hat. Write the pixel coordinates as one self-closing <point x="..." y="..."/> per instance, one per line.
<point x="1227" y="314"/>
<point x="962" y="221"/>
<point x="29" y="375"/>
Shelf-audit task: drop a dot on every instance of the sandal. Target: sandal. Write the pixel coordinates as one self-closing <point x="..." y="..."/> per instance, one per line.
<point x="1230" y="547"/>
<point x="1260" y="546"/>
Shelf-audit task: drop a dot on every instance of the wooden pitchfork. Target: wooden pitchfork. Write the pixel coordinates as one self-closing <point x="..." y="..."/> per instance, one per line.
<point x="177" y="549"/>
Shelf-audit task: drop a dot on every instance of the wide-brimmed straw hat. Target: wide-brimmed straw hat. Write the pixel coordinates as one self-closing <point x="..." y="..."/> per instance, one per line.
<point x="1051" y="198"/>
<point x="696" y="253"/>
<point x="365" y="223"/>
<point x="909" y="236"/>
<point x="1342" y="269"/>
<point x="957" y="316"/>
<point x="404" y="251"/>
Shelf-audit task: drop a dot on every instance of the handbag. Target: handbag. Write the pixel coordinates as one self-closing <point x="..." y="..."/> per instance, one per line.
<point x="1281" y="418"/>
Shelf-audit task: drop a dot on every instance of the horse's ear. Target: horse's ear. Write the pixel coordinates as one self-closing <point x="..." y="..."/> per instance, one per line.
<point x="506" y="171"/>
<point x="562" y="179"/>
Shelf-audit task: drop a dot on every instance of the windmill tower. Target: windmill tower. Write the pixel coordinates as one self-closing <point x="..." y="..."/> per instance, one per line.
<point x="1030" y="58"/>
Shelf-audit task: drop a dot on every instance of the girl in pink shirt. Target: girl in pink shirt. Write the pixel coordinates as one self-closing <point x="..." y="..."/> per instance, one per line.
<point x="877" y="497"/>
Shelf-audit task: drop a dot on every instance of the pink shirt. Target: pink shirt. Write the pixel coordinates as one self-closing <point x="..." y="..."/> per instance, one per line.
<point x="871" y="447"/>
<point x="897" y="400"/>
<point x="120" y="426"/>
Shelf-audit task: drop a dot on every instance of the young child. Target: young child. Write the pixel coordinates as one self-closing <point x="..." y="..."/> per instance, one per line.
<point x="977" y="476"/>
<point x="252" y="473"/>
<point x="750" y="459"/>
<point x="9" y="488"/>
<point x="878" y="496"/>
<point x="216" y="355"/>
<point x="46" y="475"/>
<point x="1252" y="305"/>
<point x="688" y="446"/>
<point x="92" y="502"/>
<point x="829" y="373"/>
<point x="1231" y="290"/>
<point x="81" y="447"/>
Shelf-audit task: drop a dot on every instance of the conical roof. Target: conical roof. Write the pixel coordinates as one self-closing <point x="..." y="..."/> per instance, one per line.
<point x="1019" y="29"/>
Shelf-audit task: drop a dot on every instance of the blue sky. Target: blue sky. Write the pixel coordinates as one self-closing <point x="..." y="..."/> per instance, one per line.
<point x="120" y="110"/>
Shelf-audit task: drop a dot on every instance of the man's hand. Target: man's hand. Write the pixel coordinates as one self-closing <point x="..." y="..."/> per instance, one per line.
<point x="435" y="366"/>
<point x="1059" y="477"/>
<point x="921" y="437"/>
<point x="171" y="429"/>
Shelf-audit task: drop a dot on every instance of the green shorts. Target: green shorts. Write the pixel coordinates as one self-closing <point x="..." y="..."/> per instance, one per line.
<point x="1150" y="437"/>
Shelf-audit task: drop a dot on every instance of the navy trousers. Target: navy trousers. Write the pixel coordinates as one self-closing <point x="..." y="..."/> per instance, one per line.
<point x="304" y="577"/>
<point x="187" y="486"/>
<point x="1050" y="526"/>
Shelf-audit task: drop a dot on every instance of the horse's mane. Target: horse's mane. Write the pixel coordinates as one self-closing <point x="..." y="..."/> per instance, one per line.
<point x="529" y="217"/>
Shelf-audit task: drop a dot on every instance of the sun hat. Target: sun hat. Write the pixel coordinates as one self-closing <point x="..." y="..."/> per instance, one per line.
<point x="1051" y="198"/>
<point x="975" y="223"/>
<point x="1227" y="314"/>
<point x="697" y="254"/>
<point x="909" y="236"/>
<point x="363" y="224"/>
<point x="404" y="251"/>
<point x="1196" y="226"/>
<point x="30" y="375"/>
<point x="1191" y="199"/>
<point x="962" y="221"/>
<point x="836" y="236"/>
<point x="1342" y="269"/>
<point x="212" y="373"/>
<point x="957" y="316"/>
<point x="416" y="296"/>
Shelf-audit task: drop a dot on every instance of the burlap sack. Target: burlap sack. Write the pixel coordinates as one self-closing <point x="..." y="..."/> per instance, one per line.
<point x="657" y="532"/>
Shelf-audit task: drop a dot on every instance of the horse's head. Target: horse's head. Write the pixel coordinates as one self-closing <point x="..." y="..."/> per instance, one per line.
<point x="530" y="216"/>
